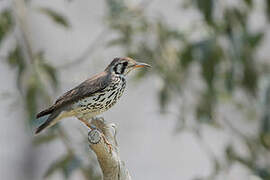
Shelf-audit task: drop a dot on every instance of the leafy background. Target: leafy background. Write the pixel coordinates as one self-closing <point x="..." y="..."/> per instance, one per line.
<point x="209" y="88"/>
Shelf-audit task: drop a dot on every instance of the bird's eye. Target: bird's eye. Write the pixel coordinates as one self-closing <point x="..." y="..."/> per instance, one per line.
<point x="120" y="68"/>
<point x="124" y="66"/>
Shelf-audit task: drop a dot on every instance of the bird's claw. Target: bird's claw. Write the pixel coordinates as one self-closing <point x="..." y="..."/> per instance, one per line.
<point x="91" y="126"/>
<point x="88" y="124"/>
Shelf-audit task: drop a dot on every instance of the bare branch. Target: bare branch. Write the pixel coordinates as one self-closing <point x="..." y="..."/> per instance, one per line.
<point x="111" y="165"/>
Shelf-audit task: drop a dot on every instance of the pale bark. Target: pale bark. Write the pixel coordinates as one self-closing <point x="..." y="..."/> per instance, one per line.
<point x="111" y="165"/>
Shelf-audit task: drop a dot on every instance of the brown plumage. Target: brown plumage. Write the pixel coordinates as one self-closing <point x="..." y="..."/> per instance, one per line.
<point x="85" y="89"/>
<point x="87" y="94"/>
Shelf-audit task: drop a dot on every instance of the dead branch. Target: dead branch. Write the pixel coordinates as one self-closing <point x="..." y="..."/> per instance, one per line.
<point x="108" y="155"/>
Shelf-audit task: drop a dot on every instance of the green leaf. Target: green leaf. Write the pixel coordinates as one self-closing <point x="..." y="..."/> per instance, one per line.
<point x="185" y="56"/>
<point x="255" y="39"/>
<point x="205" y="107"/>
<point x="15" y="57"/>
<point x="5" y="23"/>
<point x="164" y="96"/>
<point x="116" y="42"/>
<point x="268" y="9"/>
<point x="209" y="53"/>
<point x="166" y="33"/>
<point x="51" y="72"/>
<point x="66" y="164"/>
<point x="56" y="17"/>
<point x="58" y="165"/>
<point x="249" y="2"/>
<point x="31" y="97"/>
<point x="230" y="154"/>
<point x="235" y="18"/>
<point x="206" y="7"/>
<point x="44" y="139"/>
<point x="116" y="8"/>
<point x="250" y="78"/>
<point x="16" y="60"/>
<point x="229" y="79"/>
<point x="265" y="132"/>
<point x="73" y="164"/>
<point x="264" y="173"/>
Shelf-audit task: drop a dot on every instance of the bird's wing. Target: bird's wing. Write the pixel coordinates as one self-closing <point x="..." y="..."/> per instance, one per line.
<point x="85" y="89"/>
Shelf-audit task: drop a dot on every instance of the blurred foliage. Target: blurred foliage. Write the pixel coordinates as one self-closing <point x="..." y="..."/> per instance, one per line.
<point x="66" y="164"/>
<point x="228" y="61"/>
<point x="35" y="78"/>
<point x="56" y="17"/>
<point x="16" y="60"/>
<point x="226" y="53"/>
<point x="45" y="138"/>
<point x="5" y="23"/>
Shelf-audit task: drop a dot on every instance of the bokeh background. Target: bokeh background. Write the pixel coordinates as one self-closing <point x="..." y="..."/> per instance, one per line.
<point x="202" y="112"/>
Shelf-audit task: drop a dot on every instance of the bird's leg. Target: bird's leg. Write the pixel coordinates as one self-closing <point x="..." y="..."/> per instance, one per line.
<point x="87" y="123"/>
<point x="94" y="127"/>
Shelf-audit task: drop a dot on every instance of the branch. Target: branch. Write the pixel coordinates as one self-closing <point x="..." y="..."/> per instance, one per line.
<point x="111" y="165"/>
<point x="20" y="14"/>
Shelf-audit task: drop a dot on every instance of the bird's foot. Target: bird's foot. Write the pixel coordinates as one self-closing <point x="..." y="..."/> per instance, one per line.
<point x="98" y="118"/>
<point x="88" y="124"/>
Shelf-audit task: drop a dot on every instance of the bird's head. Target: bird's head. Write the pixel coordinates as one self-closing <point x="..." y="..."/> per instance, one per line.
<point x="122" y="66"/>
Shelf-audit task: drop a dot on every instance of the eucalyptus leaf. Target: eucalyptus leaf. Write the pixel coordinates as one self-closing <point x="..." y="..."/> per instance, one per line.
<point x="206" y="8"/>
<point x="255" y="39"/>
<point x="41" y="139"/>
<point x="185" y="56"/>
<point x="116" y="42"/>
<point x="51" y="72"/>
<point x="5" y="23"/>
<point x="250" y="78"/>
<point x="205" y="108"/>
<point x="56" y="17"/>
<point x="268" y="9"/>
<point x="16" y="59"/>
<point x="58" y="165"/>
<point x="31" y="98"/>
<point x="164" y="96"/>
<point x="229" y="79"/>
<point x="66" y="164"/>
<point x="263" y="173"/>
<point x="249" y="2"/>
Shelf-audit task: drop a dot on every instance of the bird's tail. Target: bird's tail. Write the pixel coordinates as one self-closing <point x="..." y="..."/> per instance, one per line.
<point x="52" y="119"/>
<point x="46" y="112"/>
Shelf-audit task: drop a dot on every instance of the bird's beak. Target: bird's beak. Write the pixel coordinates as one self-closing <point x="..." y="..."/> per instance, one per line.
<point x="138" y="64"/>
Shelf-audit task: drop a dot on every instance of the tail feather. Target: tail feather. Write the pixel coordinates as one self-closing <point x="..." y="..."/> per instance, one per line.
<point x="52" y="119"/>
<point x="45" y="112"/>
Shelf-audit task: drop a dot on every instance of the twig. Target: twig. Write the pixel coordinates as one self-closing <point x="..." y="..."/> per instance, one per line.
<point x="20" y="15"/>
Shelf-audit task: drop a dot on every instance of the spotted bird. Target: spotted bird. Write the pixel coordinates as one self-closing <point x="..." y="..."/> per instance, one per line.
<point x="93" y="96"/>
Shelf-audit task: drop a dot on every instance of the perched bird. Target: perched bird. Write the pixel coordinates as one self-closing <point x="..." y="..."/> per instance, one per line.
<point x="93" y="96"/>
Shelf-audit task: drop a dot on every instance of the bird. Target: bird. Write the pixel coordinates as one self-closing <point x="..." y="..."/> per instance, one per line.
<point x="93" y="96"/>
